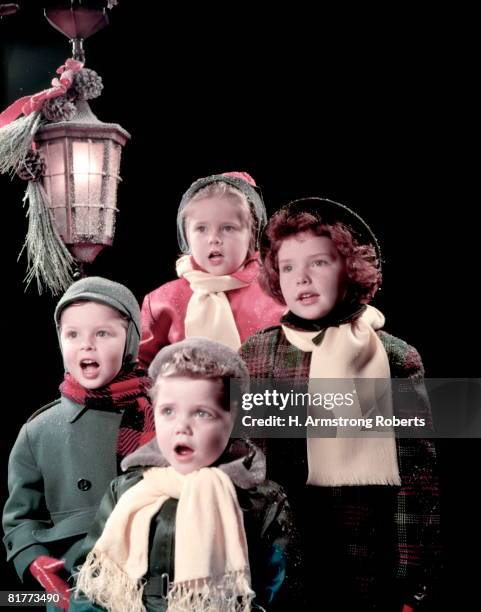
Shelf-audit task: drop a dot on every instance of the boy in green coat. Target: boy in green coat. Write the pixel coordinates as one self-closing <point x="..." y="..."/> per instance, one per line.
<point x="68" y="451"/>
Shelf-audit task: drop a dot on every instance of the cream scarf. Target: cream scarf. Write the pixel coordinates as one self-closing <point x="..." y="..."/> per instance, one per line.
<point x="351" y="351"/>
<point x="211" y="557"/>
<point x="208" y="312"/>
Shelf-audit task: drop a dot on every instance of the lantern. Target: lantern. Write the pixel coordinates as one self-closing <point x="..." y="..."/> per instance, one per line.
<point x="82" y="155"/>
<point x="69" y="158"/>
<point x="82" y="173"/>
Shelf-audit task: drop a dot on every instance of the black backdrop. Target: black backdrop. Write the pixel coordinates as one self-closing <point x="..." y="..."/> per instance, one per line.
<point x="309" y="104"/>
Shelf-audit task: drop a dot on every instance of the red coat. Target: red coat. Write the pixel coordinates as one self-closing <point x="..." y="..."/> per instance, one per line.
<point x="164" y="309"/>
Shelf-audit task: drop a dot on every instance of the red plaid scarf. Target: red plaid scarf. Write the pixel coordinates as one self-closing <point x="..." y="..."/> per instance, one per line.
<point x="126" y="393"/>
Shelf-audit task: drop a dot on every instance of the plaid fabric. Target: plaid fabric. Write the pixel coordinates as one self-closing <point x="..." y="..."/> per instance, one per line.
<point x="379" y="538"/>
<point x="127" y="393"/>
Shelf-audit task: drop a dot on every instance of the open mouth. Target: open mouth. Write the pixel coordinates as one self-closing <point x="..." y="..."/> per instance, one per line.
<point x="183" y="451"/>
<point x="216" y="257"/>
<point x="89" y="367"/>
<point x="307" y="298"/>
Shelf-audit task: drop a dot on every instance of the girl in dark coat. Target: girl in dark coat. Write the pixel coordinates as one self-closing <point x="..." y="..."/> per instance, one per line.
<point x="369" y="512"/>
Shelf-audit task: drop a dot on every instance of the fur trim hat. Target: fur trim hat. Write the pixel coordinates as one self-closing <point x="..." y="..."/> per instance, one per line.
<point x="201" y="357"/>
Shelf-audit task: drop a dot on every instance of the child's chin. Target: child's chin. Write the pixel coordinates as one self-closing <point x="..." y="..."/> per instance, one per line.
<point x="310" y="314"/>
<point x="222" y="270"/>
<point x="218" y="272"/>
<point x="91" y="384"/>
<point x="185" y="469"/>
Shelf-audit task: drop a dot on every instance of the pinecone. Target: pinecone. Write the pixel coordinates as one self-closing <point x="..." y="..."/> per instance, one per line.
<point x="86" y="85"/>
<point x="59" y="109"/>
<point x="33" y="166"/>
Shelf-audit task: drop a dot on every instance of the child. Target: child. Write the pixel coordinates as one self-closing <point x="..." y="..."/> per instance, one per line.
<point x="189" y="527"/>
<point x="370" y="510"/>
<point x="68" y="451"/>
<point x="217" y="295"/>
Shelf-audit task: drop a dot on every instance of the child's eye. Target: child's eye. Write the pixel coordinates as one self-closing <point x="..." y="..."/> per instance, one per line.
<point x="320" y="262"/>
<point x="71" y="334"/>
<point x="201" y="229"/>
<point x="286" y="268"/>
<point x="228" y="228"/>
<point x="102" y="333"/>
<point x="166" y="411"/>
<point x="203" y="414"/>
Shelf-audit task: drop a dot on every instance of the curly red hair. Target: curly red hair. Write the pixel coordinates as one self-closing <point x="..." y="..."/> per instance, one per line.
<point x="362" y="263"/>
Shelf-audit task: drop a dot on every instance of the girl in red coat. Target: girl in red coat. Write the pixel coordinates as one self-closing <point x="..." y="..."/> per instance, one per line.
<point x="217" y="295"/>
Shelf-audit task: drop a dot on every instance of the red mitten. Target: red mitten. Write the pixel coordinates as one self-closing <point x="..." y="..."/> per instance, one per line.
<point x="407" y="608"/>
<point x="44" y="569"/>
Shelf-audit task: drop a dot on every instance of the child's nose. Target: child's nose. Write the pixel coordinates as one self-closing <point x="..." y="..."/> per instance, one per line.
<point x="215" y="237"/>
<point x="183" y="426"/>
<point x="87" y="343"/>
<point x="303" y="277"/>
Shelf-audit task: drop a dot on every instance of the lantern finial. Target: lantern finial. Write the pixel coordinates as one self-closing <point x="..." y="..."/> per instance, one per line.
<point x="77" y="23"/>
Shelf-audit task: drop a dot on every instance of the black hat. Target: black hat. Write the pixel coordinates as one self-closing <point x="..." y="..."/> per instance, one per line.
<point x="329" y="212"/>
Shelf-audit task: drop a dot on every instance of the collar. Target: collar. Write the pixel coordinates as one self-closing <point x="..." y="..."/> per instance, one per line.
<point x="72" y="410"/>
<point x="342" y="313"/>
<point x="242" y="461"/>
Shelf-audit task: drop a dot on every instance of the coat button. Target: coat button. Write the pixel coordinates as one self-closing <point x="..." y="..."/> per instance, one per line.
<point x="9" y="546"/>
<point x="83" y="484"/>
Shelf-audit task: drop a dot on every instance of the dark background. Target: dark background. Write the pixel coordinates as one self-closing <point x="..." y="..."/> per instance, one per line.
<point x="372" y="110"/>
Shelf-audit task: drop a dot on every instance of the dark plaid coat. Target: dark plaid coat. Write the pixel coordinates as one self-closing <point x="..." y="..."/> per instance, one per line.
<point x="365" y="547"/>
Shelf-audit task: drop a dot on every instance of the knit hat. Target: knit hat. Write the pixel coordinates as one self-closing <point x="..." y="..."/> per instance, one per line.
<point x="329" y="212"/>
<point x="213" y="358"/>
<point x="105" y="291"/>
<point x="241" y="181"/>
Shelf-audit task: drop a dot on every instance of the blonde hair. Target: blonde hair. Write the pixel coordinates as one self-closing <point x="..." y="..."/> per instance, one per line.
<point x="224" y="190"/>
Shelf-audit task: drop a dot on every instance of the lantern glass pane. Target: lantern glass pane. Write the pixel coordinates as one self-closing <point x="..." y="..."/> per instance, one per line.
<point x="57" y="190"/>
<point x="96" y="172"/>
<point x="87" y="162"/>
<point x="109" y="223"/>
<point x="111" y="165"/>
<point x="80" y="220"/>
<point x="55" y="157"/>
<point x="80" y="158"/>
<point x="94" y="222"/>
<point x="80" y="178"/>
<point x="111" y="196"/>
<point x="60" y="220"/>
<point x="114" y="159"/>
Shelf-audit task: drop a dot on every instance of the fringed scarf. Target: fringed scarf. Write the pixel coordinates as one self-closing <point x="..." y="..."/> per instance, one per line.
<point x="127" y="393"/>
<point x="209" y="314"/>
<point x="211" y="558"/>
<point x="350" y="351"/>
